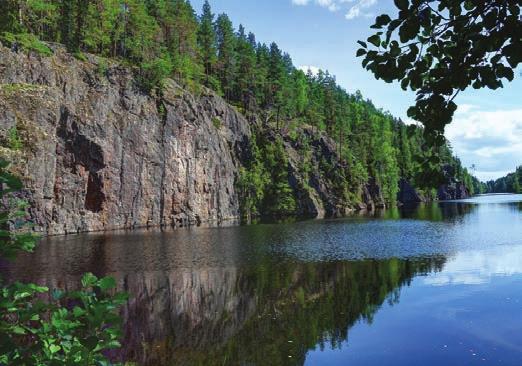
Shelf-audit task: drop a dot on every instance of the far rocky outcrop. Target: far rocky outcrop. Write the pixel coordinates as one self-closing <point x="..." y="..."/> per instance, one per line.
<point x="455" y="191"/>
<point x="408" y="194"/>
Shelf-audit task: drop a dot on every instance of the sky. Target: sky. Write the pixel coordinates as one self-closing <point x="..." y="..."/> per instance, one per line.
<point x="487" y="129"/>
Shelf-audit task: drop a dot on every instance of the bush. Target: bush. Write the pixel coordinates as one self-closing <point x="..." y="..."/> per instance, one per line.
<point x="71" y="329"/>
<point x="102" y="67"/>
<point x="80" y="56"/>
<point x="13" y="140"/>
<point x="154" y="72"/>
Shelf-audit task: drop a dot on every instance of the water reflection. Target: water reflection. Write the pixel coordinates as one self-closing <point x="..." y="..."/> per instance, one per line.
<point x="272" y="312"/>
<point x="269" y="294"/>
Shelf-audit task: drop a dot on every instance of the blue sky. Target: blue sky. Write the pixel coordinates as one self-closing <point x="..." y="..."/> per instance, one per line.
<point x="487" y="130"/>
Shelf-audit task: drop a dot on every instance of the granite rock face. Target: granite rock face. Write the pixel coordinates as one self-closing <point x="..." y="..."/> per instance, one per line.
<point x="408" y="194"/>
<point x="100" y="154"/>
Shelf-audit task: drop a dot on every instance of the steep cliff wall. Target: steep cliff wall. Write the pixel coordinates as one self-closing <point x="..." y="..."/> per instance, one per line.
<point x="100" y="154"/>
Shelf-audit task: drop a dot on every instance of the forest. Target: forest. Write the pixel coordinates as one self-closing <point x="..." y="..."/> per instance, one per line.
<point x="167" y="39"/>
<point x="511" y="183"/>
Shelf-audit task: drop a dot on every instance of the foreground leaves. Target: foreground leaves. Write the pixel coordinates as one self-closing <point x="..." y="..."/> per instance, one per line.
<point x="439" y="48"/>
<point x="38" y="327"/>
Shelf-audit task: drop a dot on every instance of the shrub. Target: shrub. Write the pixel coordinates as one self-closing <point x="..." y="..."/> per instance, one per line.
<point x="80" y="56"/>
<point x="216" y="122"/>
<point x="153" y="73"/>
<point x="13" y="139"/>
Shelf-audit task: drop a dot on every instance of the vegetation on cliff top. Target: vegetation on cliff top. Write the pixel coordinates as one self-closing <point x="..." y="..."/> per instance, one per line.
<point x="167" y="39"/>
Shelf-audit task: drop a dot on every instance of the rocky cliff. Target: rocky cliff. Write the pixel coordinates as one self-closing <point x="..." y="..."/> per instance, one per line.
<point x="100" y="154"/>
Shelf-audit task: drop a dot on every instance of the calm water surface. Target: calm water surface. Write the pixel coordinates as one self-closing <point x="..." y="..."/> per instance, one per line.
<point x="439" y="284"/>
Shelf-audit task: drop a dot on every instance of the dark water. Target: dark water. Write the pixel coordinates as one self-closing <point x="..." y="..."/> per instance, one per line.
<point x="439" y="284"/>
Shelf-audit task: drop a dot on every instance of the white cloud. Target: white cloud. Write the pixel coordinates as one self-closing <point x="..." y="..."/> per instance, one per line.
<point x="474" y="268"/>
<point x="360" y="9"/>
<point x="489" y="139"/>
<point x="313" y="69"/>
<point x="354" y="8"/>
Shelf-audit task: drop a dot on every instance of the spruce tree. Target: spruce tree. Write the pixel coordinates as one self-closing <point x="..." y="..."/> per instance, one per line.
<point x="226" y="64"/>
<point x="246" y="56"/>
<point x="182" y="41"/>
<point x="207" y="44"/>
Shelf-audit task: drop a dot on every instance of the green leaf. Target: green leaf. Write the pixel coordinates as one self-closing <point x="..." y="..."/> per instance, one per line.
<point x="18" y="330"/>
<point x="375" y="40"/>
<point x="78" y="312"/>
<point x="402" y="4"/>
<point x="361" y="52"/>
<point x="54" y="348"/>
<point x="107" y="283"/>
<point x="89" y="280"/>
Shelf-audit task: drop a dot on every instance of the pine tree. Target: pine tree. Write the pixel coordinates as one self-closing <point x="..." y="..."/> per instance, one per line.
<point x="66" y="24"/>
<point x="246" y="65"/>
<point x="207" y="44"/>
<point x="226" y="64"/>
<point x="104" y="27"/>
<point x="182" y="40"/>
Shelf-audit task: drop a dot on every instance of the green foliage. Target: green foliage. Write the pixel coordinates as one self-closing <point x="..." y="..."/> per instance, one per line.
<point x="439" y="48"/>
<point x="14" y="237"/>
<point x="26" y="41"/>
<point x="13" y="139"/>
<point x="73" y="328"/>
<point x="207" y="45"/>
<point x="279" y="199"/>
<point x="226" y="57"/>
<point x="512" y="183"/>
<point x="153" y="73"/>
<point x="252" y="183"/>
<point x="80" y="56"/>
<point x="102" y="68"/>
<point x="217" y="123"/>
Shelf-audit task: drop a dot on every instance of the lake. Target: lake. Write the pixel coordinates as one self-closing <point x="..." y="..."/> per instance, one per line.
<point x="439" y="284"/>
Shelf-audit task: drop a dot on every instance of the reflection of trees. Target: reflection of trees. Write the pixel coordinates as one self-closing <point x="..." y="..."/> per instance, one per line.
<point x="260" y="314"/>
<point x="212" y="306"/>
<point x="436" y="211"/>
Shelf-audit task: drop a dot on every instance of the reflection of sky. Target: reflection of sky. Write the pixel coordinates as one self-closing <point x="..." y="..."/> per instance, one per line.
<point x="478" y="267"/>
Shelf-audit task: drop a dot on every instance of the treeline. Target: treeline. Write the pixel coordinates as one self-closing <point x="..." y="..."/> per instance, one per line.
<point x="512" y="183"/>
<point x="165" y="38"/>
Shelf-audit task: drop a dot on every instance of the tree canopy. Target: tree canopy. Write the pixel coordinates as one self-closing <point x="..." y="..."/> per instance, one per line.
<point x="167" y="39"/>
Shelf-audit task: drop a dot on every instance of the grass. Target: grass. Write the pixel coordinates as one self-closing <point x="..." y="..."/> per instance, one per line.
<point x="80" y="56"/>
<point x="27" y="41"/>
<point x="18" y="88"/>
<point x="217" y="123"/>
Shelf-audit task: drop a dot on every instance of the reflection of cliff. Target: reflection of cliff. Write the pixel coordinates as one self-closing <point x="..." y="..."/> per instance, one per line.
<point x="217" y="305"/>
<point x="297" y="306"/>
